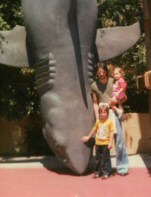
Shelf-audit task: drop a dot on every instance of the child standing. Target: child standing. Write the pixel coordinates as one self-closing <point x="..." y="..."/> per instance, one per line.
<point x="119" y="89"/>
<point x="104" y="129"/>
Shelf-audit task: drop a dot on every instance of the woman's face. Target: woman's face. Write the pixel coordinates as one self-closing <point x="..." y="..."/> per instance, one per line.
<point x="101" y="73"/>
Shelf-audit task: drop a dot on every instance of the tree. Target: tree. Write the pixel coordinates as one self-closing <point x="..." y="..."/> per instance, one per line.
<point x="121" y="13"/>
<point x="10" y="14"/>
<point x="18" y="97"/>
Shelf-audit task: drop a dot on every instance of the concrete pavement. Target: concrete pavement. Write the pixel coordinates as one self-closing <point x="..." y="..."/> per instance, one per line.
<point x="138" y="160"/>
<point x="46" y="176"/>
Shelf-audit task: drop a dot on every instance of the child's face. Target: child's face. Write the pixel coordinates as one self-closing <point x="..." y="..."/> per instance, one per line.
<point x="103" y="114"/>
<point x="117" y="74"/>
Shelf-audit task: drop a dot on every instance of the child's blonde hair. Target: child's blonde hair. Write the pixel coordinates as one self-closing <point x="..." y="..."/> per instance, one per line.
<point x="104" y="107"/>
<point x="120" y="70"/>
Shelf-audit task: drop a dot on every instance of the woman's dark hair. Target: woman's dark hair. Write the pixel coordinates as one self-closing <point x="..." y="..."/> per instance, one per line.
<point x="103" y="66"/>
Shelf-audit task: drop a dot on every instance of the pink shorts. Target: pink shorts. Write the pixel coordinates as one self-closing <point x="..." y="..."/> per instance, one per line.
<point x="121" y="96"/>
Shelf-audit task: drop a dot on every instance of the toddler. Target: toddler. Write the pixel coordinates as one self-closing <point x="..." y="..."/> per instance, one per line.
<point x="119" y="89"/>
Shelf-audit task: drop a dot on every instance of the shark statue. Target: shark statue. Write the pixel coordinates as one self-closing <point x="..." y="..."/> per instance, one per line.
<point x="58" y="41"/>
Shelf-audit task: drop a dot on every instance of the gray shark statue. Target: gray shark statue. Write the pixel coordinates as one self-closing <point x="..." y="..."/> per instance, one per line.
<point x="58" y="41"/>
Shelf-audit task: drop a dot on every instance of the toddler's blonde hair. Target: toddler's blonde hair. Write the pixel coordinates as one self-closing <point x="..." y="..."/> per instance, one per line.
<point x="120" y="70"/>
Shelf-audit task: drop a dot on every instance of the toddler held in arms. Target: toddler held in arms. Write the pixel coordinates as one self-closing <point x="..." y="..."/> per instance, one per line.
<point x="119" y="89"/>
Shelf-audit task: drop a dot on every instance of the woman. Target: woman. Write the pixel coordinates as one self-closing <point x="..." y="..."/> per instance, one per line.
<point x="101" y="93"/>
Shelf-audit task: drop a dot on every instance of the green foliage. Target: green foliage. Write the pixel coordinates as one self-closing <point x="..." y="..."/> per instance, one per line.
<point x="121" y="13"/>
<point x="18" y="97"/>
<point x="10" y="14"/>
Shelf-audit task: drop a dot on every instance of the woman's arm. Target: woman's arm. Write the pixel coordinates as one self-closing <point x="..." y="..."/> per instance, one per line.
<point x="95" y="105"/>
<point x="111" y="140"/>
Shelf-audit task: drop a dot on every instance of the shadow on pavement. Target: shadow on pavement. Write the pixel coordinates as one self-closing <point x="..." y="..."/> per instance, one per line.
<point x="58" y="167"/>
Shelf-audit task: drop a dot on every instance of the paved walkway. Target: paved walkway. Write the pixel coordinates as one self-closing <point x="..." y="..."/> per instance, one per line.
<point x="47" y="177"/>
<point x="141" y="161"/>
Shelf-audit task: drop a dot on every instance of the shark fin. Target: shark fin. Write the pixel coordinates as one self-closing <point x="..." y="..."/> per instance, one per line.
<point x="112" y="42"/>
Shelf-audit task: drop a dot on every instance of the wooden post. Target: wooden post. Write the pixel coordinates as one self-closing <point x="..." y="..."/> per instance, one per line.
<point x="147" y="28"/>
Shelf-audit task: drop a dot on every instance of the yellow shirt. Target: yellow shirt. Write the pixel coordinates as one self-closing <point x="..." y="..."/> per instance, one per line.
<point x="103" y="130"/>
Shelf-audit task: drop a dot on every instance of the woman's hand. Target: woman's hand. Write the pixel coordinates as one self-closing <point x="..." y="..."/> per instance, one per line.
<point x="109" y="146"/>
<point x="113" y="101"/>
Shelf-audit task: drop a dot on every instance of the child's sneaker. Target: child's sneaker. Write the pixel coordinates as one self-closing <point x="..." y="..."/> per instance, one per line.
<point x="105" y="176"/>
<point x="95" y="176"/>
